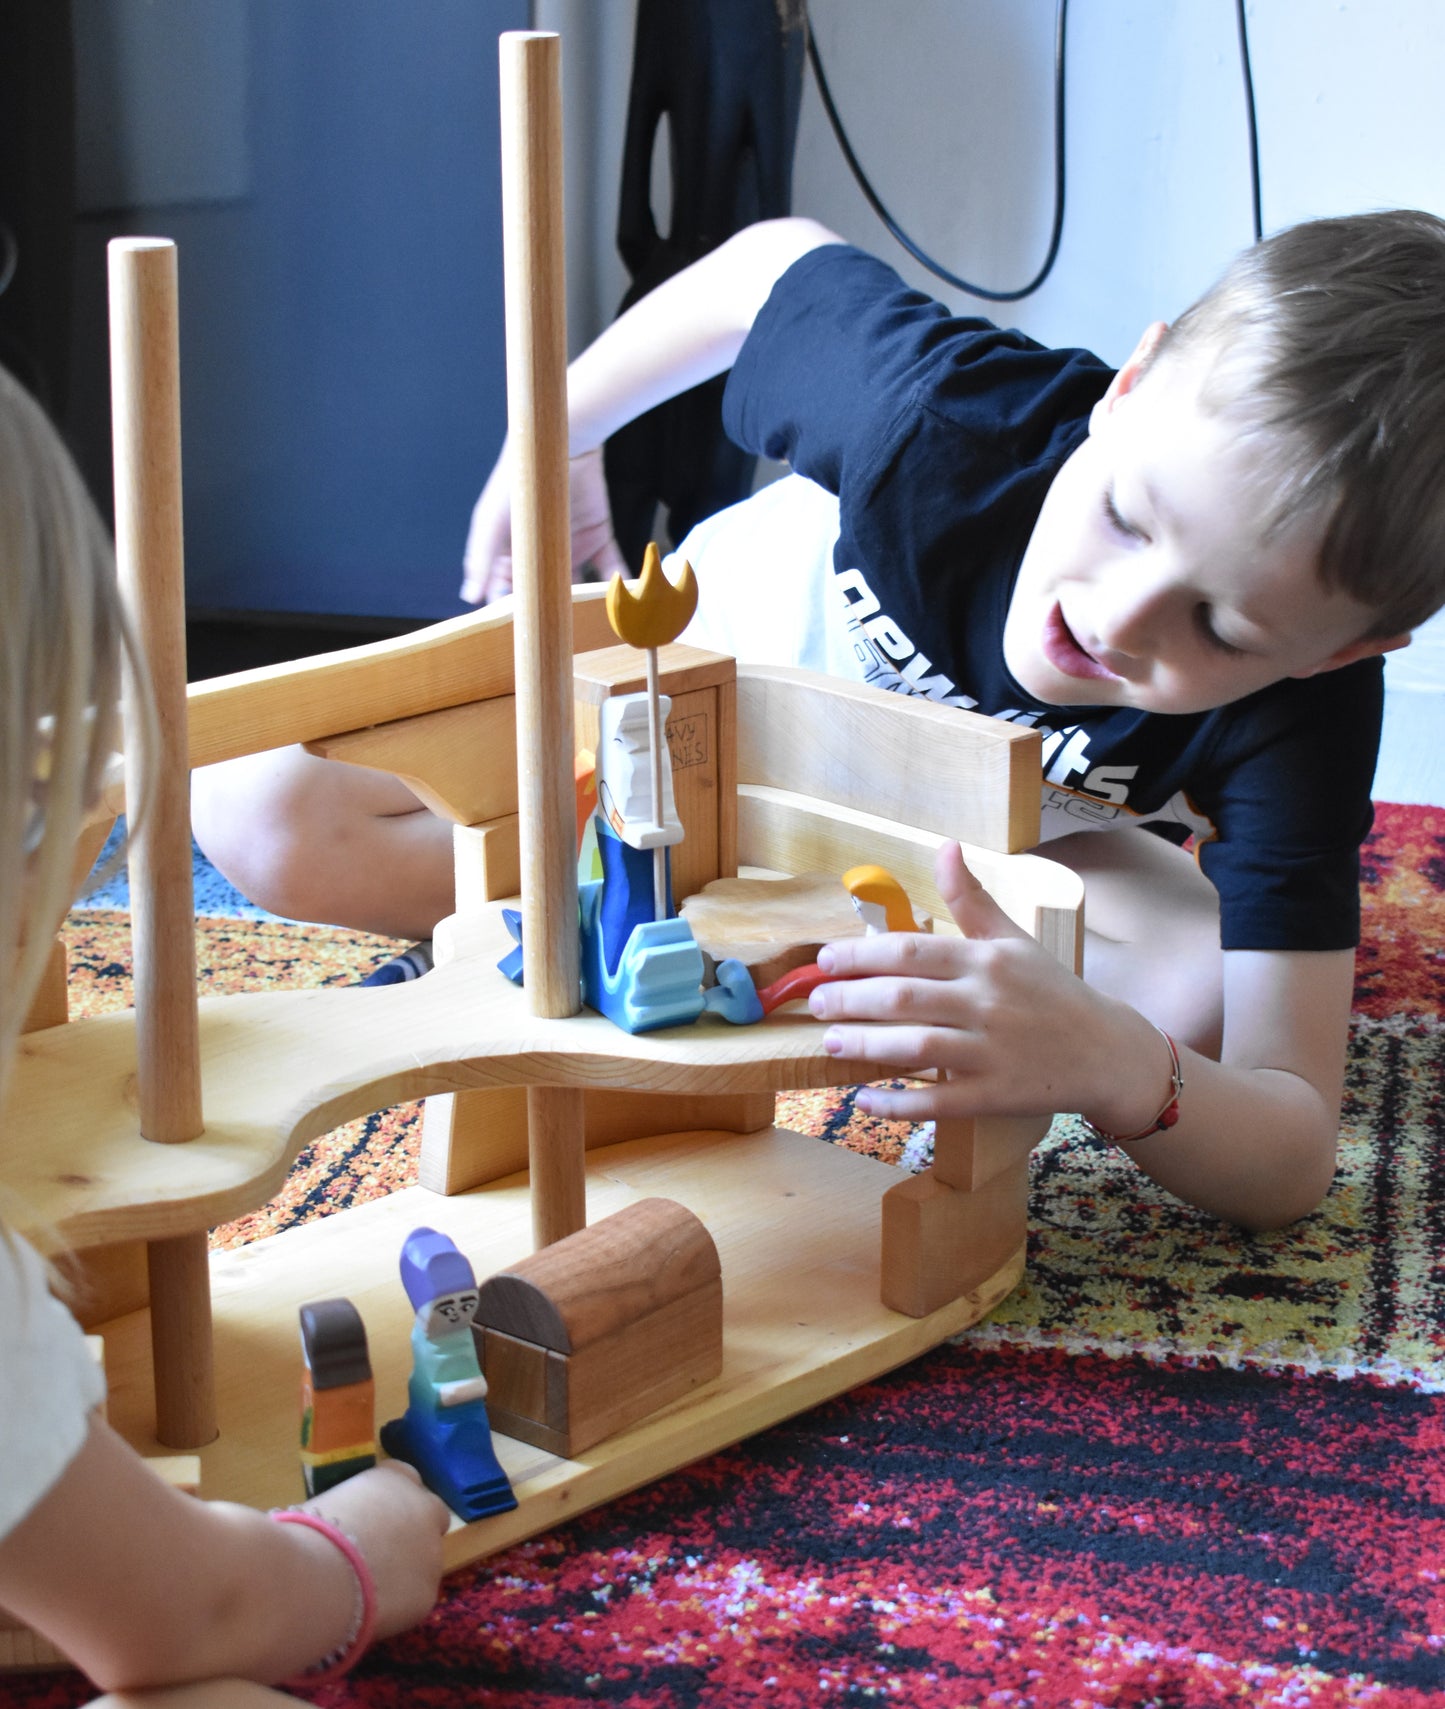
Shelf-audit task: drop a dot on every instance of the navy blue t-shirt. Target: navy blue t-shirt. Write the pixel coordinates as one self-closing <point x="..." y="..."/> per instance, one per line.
<point x="940" y="436"/>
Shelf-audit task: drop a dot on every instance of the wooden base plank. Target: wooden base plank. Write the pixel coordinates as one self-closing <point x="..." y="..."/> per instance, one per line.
<point x="796" y="1222"/>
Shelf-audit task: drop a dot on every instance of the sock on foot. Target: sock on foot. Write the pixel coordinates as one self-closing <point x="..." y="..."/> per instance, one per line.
<point x="409" y="964"/>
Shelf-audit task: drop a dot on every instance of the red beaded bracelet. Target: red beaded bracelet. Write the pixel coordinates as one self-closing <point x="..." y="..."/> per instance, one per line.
<point x="345" y="1656"/>
<point x="1166" y="1117"/>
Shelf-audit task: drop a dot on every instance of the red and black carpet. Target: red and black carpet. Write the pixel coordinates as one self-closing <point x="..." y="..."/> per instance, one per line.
<point x="1181" y="1466"/>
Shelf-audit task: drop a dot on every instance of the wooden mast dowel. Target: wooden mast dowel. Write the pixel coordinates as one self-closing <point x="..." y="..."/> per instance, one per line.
<point x="536" y="313"/>
<point x="556" y="1157"/>
<point x="657" y="742"/>
<point x="181" y="1343"/>
<point x="541" y="532"/>
<point x="146" y="426"/>
<point x="146" y="420"/>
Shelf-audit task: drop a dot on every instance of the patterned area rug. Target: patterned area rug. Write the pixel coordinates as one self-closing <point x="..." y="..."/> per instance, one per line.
<point x="1179" y="1466"/>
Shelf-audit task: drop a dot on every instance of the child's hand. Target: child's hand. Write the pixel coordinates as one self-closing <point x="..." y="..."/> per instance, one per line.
<point x="1010" y="1030"/>
<point x="488" y="556"/>
<point x="398" y="1525"/>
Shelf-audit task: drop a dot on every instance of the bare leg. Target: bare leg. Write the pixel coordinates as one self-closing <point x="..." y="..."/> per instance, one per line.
<point x="318" y="840"/>
<point x="1151" y="930"/>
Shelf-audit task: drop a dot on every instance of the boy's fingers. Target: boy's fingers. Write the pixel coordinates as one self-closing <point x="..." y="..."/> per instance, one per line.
<point x="486" y="582"/>
<point x="902" y="1047"/>
<point x="920" y="1002"/>
<point x="916" y="1104"/>
<point x="974" y="911"/>
<point x="918" y="955"/>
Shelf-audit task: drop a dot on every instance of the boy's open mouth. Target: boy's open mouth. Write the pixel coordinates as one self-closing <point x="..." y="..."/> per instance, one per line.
<point x="1066" y="655"/>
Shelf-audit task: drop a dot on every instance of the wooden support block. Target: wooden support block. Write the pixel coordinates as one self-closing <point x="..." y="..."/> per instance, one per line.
<point x="615" y="1116"/>
<point x="969" y="1152"/>
<point x="487" y="860"/>
<point x="51" y="1007"/>
<point x="470" y="1138"/>
<point x="583" y="1339"/>
<point x="180" y="1287"/>
<point x="180" y="1471"/>
<point x="461" y="761"/>
<point x="939" y="1244"/>
<point x="104" y="1282"/>
<point x="701" y="740"/>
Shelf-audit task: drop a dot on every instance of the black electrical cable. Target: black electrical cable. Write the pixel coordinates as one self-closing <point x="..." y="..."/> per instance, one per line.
<point x="1060" y="31"/>
<point x="1249" y="114"/>
<point x="900" y="236"/>
<point x="9" y="257"/>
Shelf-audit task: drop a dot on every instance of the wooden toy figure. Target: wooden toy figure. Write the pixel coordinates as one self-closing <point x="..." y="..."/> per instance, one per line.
<point x="445" y="1432"/>
<point x="880" y="900"/>
<point x="338" y="1406"/>
<point x="647" y="617"/>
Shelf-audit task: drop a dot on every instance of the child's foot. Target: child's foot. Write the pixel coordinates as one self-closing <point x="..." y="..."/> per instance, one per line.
<point x="410" y="964"/>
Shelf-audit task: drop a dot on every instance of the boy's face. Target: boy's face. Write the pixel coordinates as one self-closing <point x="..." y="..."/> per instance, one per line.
<point x="1149" y="581"/>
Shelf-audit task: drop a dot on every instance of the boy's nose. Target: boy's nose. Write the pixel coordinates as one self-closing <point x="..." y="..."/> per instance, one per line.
<point x="1130" y="624"/>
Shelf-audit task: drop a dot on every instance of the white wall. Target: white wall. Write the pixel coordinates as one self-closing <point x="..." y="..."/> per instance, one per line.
<point x="949" y="103"/>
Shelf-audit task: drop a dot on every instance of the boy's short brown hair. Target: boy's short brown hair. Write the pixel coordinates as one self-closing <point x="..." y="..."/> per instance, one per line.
<point x="1328" y="340"/>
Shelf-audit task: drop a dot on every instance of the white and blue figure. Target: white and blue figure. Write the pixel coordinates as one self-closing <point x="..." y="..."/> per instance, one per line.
<point x="639" y="970"/>
<point x="445" y="1432"/>
<point x="641" y="965"/>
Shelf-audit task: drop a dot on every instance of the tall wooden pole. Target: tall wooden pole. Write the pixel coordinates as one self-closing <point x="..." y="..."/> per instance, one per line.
<point x="536" y="308"/>
<point x="146" y="424"/>
<point x="146" y="414"/>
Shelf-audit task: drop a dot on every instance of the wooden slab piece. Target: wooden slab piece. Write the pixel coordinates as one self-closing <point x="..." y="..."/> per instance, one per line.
<point x="773" y="925"/>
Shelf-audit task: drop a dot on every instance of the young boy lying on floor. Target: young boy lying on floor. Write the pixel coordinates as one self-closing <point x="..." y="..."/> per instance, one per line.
<point x="1183" y="574"/>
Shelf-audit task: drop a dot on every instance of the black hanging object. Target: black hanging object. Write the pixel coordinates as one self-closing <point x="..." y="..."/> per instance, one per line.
<point x="727" y="75"/>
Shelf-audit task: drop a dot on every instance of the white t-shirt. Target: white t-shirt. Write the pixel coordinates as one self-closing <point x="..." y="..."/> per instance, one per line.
<point x="49" y="1383"/>
<point x="766" y="593"/>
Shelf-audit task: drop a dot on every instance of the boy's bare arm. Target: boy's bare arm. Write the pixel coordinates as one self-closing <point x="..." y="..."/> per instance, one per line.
<point x="1015" y="1033"/>
<point x="1263" y="1123"/>
<point x="686" y="331"/>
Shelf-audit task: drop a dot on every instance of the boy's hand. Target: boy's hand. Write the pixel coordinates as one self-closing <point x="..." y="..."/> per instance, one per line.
<point x="1010" y="1031"/>
<point x="398" y="1525"/>
<point x="488" y="557"/>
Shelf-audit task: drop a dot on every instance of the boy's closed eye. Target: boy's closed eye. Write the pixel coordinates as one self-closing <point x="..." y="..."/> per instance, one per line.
<point x="1204" y="618"/>
<point x="1203" y="612"/>
<point x="1116" y="520"/>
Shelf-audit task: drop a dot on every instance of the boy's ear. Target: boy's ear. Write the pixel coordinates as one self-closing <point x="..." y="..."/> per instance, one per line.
<point x="1356" y="651"/>
<point x="1133" y="370"/>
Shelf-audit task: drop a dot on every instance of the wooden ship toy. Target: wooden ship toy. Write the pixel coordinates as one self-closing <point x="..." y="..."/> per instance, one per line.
<point x="661" y="1270"/>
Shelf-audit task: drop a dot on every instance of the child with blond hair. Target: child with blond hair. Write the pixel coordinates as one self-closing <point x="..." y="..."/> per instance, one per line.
<point x="137" y="1583"/>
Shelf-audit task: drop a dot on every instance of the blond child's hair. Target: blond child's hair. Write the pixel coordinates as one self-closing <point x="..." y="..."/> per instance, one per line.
<point x="1326" y="343"/>
<point x="62" y="639"/>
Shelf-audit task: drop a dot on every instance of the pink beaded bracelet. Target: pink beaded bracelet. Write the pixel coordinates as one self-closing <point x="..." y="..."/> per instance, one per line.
<point x="345" y="1656"/>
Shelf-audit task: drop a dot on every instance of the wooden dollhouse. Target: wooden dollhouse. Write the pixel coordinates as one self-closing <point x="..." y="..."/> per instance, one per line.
<point x="130" y="1135"/>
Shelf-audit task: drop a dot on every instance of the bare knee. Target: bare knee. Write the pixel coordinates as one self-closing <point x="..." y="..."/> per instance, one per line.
<point x="260" y="825"/>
